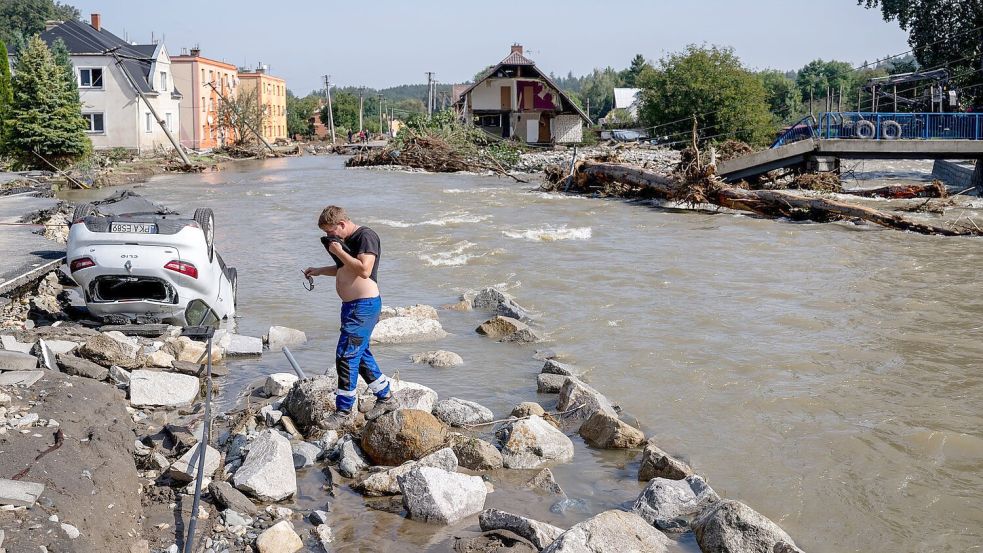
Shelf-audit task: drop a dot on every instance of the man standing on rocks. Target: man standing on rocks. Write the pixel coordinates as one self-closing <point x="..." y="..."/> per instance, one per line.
<point x="356" y="251"/>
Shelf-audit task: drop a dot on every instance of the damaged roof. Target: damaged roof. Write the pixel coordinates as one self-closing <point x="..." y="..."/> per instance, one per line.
<point x="82" y="39"/>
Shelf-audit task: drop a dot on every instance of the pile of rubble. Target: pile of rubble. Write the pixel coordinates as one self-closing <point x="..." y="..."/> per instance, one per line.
<point x="656" y="159"/>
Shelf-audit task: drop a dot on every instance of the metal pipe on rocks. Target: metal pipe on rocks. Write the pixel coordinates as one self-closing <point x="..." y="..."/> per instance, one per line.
<point x="294" y="364"/>
<point x="200" y="453"/>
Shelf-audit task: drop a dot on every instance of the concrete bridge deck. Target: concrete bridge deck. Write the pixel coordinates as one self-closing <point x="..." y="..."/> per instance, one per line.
<point x="792" y="155"/>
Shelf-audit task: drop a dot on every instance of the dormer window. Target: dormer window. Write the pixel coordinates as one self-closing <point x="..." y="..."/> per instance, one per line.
<point x="90" y="77"/>
<point x="163" y="81"/>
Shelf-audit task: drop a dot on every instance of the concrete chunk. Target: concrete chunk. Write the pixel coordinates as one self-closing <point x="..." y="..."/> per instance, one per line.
<point x="20" y="378"/>
<point x="19" y="493"/>
<point x="17" y="361"/>
<point x="152" y="388"/>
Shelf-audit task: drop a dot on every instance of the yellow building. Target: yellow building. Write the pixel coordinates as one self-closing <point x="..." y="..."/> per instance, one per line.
<point x="272" y="95"/>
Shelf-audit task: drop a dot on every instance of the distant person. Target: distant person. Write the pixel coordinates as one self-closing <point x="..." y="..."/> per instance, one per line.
<point x="356" y="251"/>
<point x="350" y="134"/>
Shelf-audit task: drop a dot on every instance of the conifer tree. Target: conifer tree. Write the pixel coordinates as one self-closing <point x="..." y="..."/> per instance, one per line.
<point x="46" y="114"/>
<point x="6" y="94"/>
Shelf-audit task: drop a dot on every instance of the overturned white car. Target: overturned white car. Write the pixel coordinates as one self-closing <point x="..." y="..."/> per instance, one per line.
<point x="142" y="264"/>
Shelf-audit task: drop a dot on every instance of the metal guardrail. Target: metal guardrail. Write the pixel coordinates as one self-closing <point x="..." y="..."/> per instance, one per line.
<point x="885" y="126"/>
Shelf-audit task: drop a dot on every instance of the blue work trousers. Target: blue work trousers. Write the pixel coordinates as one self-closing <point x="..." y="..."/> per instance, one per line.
<point x="358" y="318"/>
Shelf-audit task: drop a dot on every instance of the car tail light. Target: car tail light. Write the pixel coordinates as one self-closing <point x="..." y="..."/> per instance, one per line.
<point x="182" y="267"/>
<point x="81" y="263"/>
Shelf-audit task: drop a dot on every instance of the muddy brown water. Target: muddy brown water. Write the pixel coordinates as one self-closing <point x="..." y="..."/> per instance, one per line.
<point x="827" y="375"/>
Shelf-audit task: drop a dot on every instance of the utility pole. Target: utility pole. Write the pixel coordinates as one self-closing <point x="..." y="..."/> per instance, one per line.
<point x="392" y="117"/>
<point x="588" y="107"/>
<point x="429" y="93"/>
<point x="361" y="91"/>
<point x="380" y="113"/>
<point x="327" y="91"/>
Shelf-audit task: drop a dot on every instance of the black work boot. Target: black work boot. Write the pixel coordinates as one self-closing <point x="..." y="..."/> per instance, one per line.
<point x="382" y="406"/>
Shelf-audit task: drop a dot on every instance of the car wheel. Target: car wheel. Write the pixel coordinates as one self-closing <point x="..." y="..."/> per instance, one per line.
<point x="81" y="212"/>
<point x="234" y="279"/>
<point x="206" y="220"/>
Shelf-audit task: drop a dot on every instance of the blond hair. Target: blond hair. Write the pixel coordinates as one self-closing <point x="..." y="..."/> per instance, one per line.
<point x="331" y="216"/>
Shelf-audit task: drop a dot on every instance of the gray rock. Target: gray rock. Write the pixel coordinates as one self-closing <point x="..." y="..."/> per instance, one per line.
<point x="236" y="345"/>
<point x="403" y="330"/>
<point x="318" y="517"/>
<point x="20" y="378"/>
<point x="59" y="347"/>
<point x="418" y="311"/>
<point x="70" y="531"/>
<point x="69" y="364"/>
<point x="153" y="388"/>
<point x="550" y="383"/>
<point x="460" y="412"/>
<point x="17" y="361"/>
<point x="271" y="417"/>
<point x="280" y="336"/>
<point x="305" y="454"/>
<point x="435" y="495"/>
<point x="268" y="471"/>
<point x="574" y="393"/>
<point x="670" y="505"/>
<point x="351" y="459"/>
<point x="540" y="534"/>
<point x="233" y="518"/>
<point x="492" y="299"/>
<point x="324" y="536"/>
<point x="533" y="442"/>
<point x="527" y="408"/>
<point x="507" y="329"/>
<point x="438" y="358"/>
<point x="11" y="344"/>
<point x="552" y="366"/>
<point x="184" y="470"/>
<point x="25" y="421"/>
<point x="107" y="350"/>
<point x="545" y="482"/>
<point x="387" y="482"/>
<point x="19" y="492"/>
<point x="278" y="384"/>
<point x="611" y="532"/>
<point x="474" y="454"/>
<point x="414" y="396"/>
<point x="308" y="400"/>
<point x="659" y="464"/>
<point x="119" y="376"/>
<point x="782" y="547"/>
<point x="732" y="527"/>
<point x="604" y="431"/>
<point x="226" y="496"/>
<point x="279" y="538"/>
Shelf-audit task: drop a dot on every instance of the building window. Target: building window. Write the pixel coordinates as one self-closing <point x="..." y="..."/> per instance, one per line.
<point x="203" y="77"/>
<point x="150" y="122"/>
<point x="90" y="77"/>
<point x="167" y="120"/>
<point x="96" y="122"/>
<point x="203" y="104"/>
<point x="163" y="81"/>
<point x="211" y="76"/>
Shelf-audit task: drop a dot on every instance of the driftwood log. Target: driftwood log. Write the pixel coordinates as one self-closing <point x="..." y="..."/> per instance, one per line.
<point x="769" y="203"/>
<point x="935" y="189"/>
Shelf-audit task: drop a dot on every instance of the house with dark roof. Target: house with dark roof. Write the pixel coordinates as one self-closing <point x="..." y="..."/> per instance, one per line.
<point x="110" y="72"/>
<point x="514" y="99"/>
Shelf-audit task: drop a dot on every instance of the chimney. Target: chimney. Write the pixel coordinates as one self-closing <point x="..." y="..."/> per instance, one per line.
<point x="195" y="52"/>
<point x="517" y="49"/>
<point x="96" y="21"/>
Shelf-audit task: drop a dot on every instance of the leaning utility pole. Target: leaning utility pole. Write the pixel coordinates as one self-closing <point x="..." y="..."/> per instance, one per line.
<point x="161" y="122"/>
<point x="380" y="112"/>
<point x="243" y="119"/>
<point x="327" y="91"/>
<point x="429" y="93"/>
<point x="361" y="91"/>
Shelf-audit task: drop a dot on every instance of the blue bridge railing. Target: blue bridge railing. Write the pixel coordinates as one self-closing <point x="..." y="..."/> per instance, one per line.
<point x="885" y="126"/>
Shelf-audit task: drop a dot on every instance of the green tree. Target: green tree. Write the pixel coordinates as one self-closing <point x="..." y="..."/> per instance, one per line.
<point x="597" y="90"/>
<point x="818" y="76"/>
<point x="299" y="112"/>
<point x="629" y="76"/>
<point x="20" y="19"/>
<point x="6" y="93"/>
<point x="784" y="97"/>
<point x="46" y="115"/>
<point x="344" y="106"/>
<point x="711" y="83"/>
<point x="942" y="33"/>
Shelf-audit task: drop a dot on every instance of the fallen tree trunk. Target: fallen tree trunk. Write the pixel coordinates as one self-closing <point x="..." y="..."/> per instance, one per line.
<point x="770" y="203"/>
<point x="901" y="191"/>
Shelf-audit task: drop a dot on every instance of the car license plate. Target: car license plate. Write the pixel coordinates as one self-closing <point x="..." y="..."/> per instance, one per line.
<point x="136" y="228"/>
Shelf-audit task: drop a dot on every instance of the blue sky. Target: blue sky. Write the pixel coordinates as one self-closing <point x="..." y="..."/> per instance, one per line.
<point x="386" y="43"/>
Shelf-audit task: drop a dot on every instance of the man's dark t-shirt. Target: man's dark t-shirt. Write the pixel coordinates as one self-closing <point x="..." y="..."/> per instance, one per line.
<point x="364" y="240"/>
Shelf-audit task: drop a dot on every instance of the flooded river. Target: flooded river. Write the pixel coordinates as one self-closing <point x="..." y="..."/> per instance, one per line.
<point x="827" y="375"/>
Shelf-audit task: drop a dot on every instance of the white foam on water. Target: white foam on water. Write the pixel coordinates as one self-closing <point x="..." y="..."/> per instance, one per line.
<point x="550" y="234"/>
<point x="478" y="190"/>
<point x="449" y="219"/>
<point x="455" y="256"/>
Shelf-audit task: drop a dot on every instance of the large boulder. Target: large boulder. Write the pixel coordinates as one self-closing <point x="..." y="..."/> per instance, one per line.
<point x="159" y="389"/>
<point x="280" y="336"/>
<point x="540" y="534"/>
<point x="670" y="505"/>
<point x="606" y="432"/>
<point x="386" y="482"/>
<point x="106" y="350"/>
<point x="438" y="358"/>
<point x="17" y="361"/>
<point x="192" y="351"/>
<point x="402" y="435"/>
<point x="461" y="412"/>
<point x="69" y="364"/>
<point x="550" y="383"/>
<point x="413" y="396"/>
<point x="475" y="454"/>
<point x="268" y="471"/>
<point x="279" y="538"/>
<point x="507" y="329"/>
<point x="310" y="399"/>
<point x="730" y="526"/>
<point x="552" y="366"/>
<point x="611" y="532"/>
<point x="659" y="464"/>
<point x="575" y="393"/>
<point x="533" y="442"/>
<point x="492" y="299"/>
<point x="431" y="494"/>
<point x="403" y="330"/>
